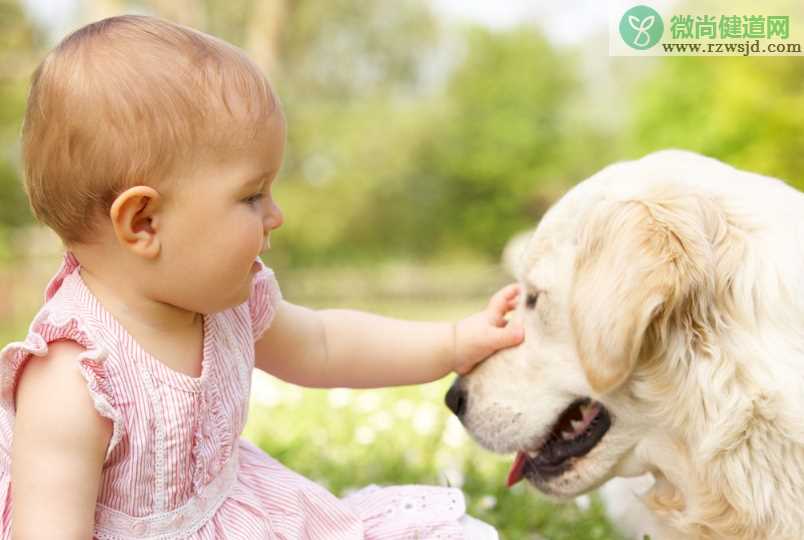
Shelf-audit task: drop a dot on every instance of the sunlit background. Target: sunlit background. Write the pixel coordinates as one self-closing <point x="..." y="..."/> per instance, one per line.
<point x="422" y="137"/>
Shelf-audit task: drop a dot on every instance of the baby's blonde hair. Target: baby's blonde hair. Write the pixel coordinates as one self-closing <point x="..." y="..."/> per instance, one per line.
<point x="126" y="101"/>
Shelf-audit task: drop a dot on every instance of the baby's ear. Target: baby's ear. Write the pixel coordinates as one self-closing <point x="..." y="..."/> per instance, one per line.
<point x="639" y="262"/>
<point x="135" y="219"/>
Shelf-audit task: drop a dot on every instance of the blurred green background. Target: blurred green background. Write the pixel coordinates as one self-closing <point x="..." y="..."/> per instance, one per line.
<point x="420" y="142"/>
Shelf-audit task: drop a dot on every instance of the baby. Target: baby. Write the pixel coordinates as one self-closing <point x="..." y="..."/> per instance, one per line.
<point x="150" y="149"/>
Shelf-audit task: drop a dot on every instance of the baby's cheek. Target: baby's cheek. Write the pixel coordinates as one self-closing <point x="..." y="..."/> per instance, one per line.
<point x="249" y="236"/>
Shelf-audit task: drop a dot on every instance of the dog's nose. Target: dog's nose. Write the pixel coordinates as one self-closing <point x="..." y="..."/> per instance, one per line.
<point x="456" y="398"/>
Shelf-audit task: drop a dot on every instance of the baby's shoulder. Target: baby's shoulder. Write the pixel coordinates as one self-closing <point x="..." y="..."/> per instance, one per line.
<point x="54" y="412"/>
<point x="52" y="375"/>
<point x="51" y="394"/>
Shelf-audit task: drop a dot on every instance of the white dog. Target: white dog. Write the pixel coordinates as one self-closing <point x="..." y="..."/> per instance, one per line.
<point x="663" y="307"/>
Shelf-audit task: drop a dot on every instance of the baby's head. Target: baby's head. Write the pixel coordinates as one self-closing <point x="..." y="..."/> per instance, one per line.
<point x="138" y="140"/>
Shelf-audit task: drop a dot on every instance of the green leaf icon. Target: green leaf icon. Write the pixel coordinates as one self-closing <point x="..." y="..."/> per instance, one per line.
<point x="641" y="27"/>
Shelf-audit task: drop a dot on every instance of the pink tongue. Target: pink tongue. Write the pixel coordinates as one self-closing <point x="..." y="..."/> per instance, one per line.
<point x="516" y="469"/>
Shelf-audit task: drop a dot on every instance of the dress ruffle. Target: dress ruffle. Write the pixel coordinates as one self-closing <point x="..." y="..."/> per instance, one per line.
<point x="264" y="299"/>
<point x="45" y="329"/>
<point x="68" y="264"/>
<point x="264" y="504"/>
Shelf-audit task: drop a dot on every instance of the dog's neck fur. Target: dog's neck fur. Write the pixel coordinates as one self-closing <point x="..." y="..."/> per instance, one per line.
<point x="721" y="370"/>
<point x="727" y="426"/>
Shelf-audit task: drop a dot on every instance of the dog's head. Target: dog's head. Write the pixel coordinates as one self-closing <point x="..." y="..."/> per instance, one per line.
<point x="618" y="280"/>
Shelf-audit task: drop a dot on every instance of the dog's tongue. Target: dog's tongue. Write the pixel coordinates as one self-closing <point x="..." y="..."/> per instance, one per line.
<point x="515" y="475"/>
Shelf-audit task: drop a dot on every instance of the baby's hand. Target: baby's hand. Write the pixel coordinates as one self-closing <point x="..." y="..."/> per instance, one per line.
<point x="481" y="334"/>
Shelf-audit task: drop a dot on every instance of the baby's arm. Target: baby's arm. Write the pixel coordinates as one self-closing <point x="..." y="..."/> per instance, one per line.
<point x="58" y="449"/>
<point x="346" y="348"/>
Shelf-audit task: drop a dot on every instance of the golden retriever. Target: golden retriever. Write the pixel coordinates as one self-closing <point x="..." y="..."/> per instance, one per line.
<point x="663" y="306"/>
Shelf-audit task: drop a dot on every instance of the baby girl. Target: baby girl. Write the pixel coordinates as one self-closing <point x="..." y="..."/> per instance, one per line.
<point x="150" y="149"/>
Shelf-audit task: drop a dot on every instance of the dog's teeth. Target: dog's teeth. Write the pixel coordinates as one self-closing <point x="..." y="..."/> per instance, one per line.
<point x="585" y="408"/>
<point x="566" y="435"/>
<point x="589" y="411"/>
<point x="577" y="425"/>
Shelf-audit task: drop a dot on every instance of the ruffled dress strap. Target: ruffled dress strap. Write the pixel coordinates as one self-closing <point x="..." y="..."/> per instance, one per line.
<point x="68" y="265"/>
<point x="62" y="318"/>
<point x="264" y="299"/>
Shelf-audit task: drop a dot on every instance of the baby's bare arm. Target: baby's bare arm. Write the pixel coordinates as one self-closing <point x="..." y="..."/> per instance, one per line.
<point x="58" y="449"/>
<point x="346" y="348"/>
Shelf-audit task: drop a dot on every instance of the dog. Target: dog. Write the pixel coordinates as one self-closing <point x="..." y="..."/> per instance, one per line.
<point x="663" y="307"/>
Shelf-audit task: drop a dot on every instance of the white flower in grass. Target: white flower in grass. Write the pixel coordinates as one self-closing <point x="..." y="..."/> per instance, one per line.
<point x="583" y="502"/>
<point x="487" y="502"/>
<point x="404" y="408"/>
<point x="424" y="420"/>
<point x="382" y="421"/>
<point x="264" y="390"/>
<point x="365" y="435"/>
<point x="454" y="434"/>
<point x="368" y="401"/>
<point x="339" y="397"/>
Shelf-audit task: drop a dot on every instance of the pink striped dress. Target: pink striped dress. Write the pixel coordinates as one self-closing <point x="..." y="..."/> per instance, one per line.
<point x="176" y="466"/>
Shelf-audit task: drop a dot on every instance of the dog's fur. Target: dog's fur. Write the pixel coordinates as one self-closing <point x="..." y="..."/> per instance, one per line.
<point x="671" y="290"/>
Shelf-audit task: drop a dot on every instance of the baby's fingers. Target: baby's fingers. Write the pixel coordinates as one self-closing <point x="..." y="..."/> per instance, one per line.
<point x="511" y="335"/>
<point x="502" y="302"/>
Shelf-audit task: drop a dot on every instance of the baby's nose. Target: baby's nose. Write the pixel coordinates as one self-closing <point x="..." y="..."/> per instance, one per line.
<point x="274" y="219"/>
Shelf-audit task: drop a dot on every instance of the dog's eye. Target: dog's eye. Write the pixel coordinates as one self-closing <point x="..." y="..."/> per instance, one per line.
<point x="530" y="300"/>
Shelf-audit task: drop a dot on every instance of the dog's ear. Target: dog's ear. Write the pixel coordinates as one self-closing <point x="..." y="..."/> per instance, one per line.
<point x="514" y="252"/>
<point x="638" y="263"/>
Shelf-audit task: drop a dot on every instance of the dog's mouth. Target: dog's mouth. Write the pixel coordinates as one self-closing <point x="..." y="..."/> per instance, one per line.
<point x="579" y="428"/>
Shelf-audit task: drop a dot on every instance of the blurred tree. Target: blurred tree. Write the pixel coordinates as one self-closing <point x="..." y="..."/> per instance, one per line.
<point x="350" y="78"/>
<point x="348" y="50"/>
<point x="20" y="44"/>
<point x="746" y="111"/>
<point x="493" y="140"/>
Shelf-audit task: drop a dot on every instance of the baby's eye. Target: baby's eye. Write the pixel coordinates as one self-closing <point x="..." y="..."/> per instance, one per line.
<point x="254" y="198"/>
